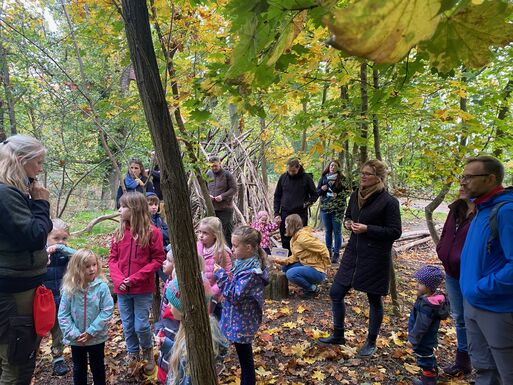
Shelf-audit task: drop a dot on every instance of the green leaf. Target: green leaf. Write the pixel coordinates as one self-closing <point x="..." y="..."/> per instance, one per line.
<point x="383" y="30"/>
<point x="200" y="115"/>
<point x="466" y="36"/>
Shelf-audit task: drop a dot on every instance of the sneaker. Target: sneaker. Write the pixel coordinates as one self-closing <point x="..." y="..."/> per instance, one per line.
<point x="307" y="294"/>
<point x="60" y="368"/>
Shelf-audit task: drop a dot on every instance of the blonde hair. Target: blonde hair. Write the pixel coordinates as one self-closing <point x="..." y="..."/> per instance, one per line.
<point x="75" y="279"/>
<point x="139" y="221"/>
<point x="59" y="224"/>
<point x="293" y="223"/>
<point x="214" y="226"/>
<point x="179" y="352"/>
<point x="252" y="237"/>
<point x="15" y="152"/>
<point x="379" y="167"/>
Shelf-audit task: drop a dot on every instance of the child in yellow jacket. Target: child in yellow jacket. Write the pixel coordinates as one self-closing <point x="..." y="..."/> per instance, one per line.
<point x="310" y="258"/>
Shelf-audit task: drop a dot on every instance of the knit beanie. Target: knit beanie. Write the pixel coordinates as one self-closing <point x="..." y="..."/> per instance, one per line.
<point x="430" y="276"/>
<point x="173" y="294"/>
<point x="261" y="214"/>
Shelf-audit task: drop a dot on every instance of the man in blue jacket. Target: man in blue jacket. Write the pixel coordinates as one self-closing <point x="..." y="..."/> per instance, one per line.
<point x="487" y="272"/>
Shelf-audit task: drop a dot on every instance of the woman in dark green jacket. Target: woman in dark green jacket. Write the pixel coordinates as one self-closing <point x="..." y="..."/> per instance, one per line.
<point x="24" y="228"/>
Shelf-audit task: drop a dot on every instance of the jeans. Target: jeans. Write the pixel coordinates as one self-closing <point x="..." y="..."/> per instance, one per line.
<point x="376" y="311"/>
<point x="247" y="365"/>
<point x="306" y="277"/>
<point x="134" y="310"/>
<point x="226" y="218"/>
<point x="456" y="300"/>
<point x="333" y="228"/>
<point x="96" y="362"/>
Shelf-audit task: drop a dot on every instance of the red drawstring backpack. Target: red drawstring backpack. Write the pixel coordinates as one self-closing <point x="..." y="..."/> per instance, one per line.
<point x="44" y="310"/>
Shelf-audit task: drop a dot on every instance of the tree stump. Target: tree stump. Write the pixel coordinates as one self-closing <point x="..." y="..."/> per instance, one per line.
<point x="278" y="287"/>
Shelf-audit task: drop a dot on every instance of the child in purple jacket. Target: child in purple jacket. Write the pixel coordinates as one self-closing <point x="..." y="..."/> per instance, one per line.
<point x="243" y="291"/>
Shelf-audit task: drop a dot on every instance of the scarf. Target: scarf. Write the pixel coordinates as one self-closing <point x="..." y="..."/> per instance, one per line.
<point x="246" y="264"/>
<point x="130" y="183"/>
<point x="365" y="194"/>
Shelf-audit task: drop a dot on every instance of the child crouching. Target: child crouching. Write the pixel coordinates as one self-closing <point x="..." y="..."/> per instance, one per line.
<point x="85" y="309"/>
<point x="430" y="307"/>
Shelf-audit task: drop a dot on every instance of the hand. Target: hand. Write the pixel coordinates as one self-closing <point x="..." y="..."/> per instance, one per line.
<point x="277" y="219"/>
<point x="324" y="187"/>
<point x="123" y="287"/>
<point x="139" y="182"/>
<point x="217" y="267"/>
<point x="334" y="195"/>
<point x="49" y="260"/>
<point x="84" y="337"/>
<point x="127" y="283"/>
<point x="38" y="192"/>
<point x="278" y="260"/>
<point x="218" y="198"/>
<point x="347" y="224"/>
<point x="211" y="196"/>
<point x="51" y="249"/>
<point x="358" y="228"/>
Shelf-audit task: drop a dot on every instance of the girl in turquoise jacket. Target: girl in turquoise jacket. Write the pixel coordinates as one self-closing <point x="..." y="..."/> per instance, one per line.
<point x="84" y="312"/>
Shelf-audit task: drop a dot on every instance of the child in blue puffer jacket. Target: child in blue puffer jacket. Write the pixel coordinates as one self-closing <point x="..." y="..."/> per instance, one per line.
<point x="58" y="257"/>
<point x="85" y="310"/>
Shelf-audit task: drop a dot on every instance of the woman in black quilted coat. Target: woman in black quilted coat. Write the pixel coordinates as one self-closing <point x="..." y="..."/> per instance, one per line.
<point x="374" y="219"/>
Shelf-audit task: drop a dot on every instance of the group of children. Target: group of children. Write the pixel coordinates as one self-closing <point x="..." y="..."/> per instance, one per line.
<point x="233" y="288"/>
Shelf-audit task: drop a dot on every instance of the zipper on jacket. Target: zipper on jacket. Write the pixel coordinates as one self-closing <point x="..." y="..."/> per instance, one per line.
<point x="357" y="239"/>
<point x="85" y="308"/>
<point x="129" y="259"/>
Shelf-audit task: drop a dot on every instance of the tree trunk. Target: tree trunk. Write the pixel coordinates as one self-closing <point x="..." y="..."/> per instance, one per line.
<point x="375" y="125"/>
<point x="431" y="207"/>
<point x="278" y="287"/>
<point x="500" y="134"/>
<point x="263" y="159"/>
<point x="176" y="195"/>
<point x="4" y="68"/>
<point x="303" y="136"/>
<point x="364" y="127"/>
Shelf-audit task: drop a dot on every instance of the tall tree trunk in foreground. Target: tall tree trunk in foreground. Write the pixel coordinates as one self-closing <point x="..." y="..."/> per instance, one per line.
<point x="174" y="185"/>
<point x="364" y="132"/>
<point x="375" y="122"/>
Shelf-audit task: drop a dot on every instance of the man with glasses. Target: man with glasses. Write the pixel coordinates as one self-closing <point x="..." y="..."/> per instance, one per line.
<point x="487" y="272"/>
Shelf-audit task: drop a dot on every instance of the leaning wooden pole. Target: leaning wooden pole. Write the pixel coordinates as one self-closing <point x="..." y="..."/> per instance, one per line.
<point x="176" y="195"/>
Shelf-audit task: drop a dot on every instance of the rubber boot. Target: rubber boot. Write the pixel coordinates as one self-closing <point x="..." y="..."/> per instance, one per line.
<point x="461" y="366"/>
<point x="149" y="361"/>
<point x="334" y="257"/>
<point x="336" y="338"/>
<point x="428" y="377"/>
<point x="368" y="349"/>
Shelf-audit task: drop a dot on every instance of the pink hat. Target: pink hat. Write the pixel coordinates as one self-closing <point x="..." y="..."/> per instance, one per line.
<point x="262" y="213"/>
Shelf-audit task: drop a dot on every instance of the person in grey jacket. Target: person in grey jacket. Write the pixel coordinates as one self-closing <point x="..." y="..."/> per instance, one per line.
<point x="222" y="188"/>
<point x="24" y="228"/>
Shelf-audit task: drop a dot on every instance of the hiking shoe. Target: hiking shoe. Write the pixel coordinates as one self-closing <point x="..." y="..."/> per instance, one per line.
<point x="149" y="360"/>
<point x="60" y="368"/>
<point x="307" y="294"/>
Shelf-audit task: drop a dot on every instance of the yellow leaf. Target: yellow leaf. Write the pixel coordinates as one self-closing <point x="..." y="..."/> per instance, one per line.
<point x="318" y="375"/>
<point x="412" y="369"/>
<point x="357" y="310"/>
<point x="396" y="339"/>
<point x="301" y="309"/>
<point x="262" y="372"/>
<point x="290" y="325"/>
<point x="285" y="310"/>
<point x="316" y="334"/>
<point x="383" y="30"/>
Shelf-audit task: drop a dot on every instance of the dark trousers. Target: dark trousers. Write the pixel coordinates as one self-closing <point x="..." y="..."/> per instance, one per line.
<point x="376" y="311"/>
<point x="226" y="218"/>
<point x="426" y="359"/>
<point x="96" y="362"/>
<point x="303" y="213"/>
<point x="247" y="365"/>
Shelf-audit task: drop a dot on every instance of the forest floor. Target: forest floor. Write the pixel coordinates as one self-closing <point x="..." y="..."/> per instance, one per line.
<point x="286" y="347"/>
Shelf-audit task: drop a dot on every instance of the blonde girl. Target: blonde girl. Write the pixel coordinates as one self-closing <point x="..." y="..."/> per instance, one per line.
<point x="84" y="312"/>
<point x="212" y="247"/>
<point x="136" y="253"/>
<point x="243" y="291"/>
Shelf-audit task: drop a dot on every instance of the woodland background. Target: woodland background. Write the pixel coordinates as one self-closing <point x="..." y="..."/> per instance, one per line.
<point x="421" y="85"/>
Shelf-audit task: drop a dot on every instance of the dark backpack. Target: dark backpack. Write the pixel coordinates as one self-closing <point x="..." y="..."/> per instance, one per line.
<point x="492" y="221"/>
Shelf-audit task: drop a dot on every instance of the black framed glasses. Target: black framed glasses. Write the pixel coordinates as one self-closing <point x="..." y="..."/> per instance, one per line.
<point x="468" y="177"/>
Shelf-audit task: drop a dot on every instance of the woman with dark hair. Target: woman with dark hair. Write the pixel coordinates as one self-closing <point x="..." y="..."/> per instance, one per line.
<point x="449" y="250"/>
<point x="332" y="192"/>
<point x="374" y="219"/>
<point x="25" y="208"/>
<point x="135" y="179"/>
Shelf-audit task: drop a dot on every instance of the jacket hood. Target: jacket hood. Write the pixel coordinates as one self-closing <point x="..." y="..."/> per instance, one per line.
<point x="438" y="304"/>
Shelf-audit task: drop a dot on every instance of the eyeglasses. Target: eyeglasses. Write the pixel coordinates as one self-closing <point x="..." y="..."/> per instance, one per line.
<point x="468" y="177"/>
<point x="366" y="174"/>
